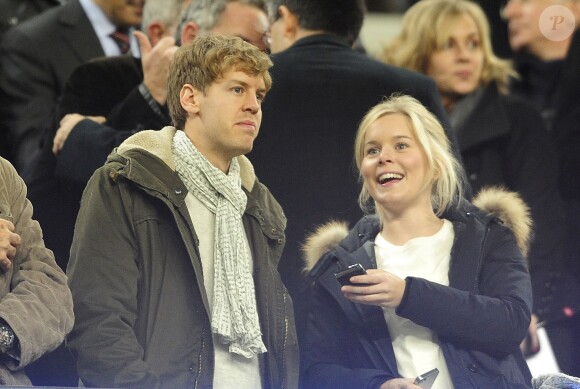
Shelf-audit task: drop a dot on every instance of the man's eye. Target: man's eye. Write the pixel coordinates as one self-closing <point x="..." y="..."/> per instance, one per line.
<point x="237" y="89"/>
<point x="260" y="97"/>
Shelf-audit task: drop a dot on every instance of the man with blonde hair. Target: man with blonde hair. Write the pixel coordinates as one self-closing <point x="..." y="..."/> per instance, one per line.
<point x="173" y="263"/>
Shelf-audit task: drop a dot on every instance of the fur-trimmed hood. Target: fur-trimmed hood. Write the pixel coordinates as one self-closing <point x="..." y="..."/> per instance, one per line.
<point x="497" y="202"/>
<point x="159" y="143"/>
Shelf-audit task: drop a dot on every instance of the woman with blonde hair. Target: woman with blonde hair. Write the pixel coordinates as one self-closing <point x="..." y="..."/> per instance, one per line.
<point x="502" y="138"/>
<point x="446" y="284"/>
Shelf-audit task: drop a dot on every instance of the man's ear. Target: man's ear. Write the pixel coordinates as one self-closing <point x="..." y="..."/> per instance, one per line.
<point x="155" y="31"/>
<point x="189" y="97"/>
<point x="189" y="32"/>
<point x="290" y="23"/>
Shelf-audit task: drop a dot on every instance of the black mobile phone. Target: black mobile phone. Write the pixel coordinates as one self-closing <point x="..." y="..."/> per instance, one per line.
<point x="426" y="380"/>
<point x="343" y="276"/>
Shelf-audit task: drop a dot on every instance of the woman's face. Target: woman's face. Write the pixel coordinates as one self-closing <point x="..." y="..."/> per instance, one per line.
<point x="394" y="166"/>
<point x="457" y="67"/>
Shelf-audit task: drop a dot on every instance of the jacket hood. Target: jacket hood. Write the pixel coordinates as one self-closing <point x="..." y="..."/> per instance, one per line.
<point x="496" y="202"/>
<point x="159" y="143"/>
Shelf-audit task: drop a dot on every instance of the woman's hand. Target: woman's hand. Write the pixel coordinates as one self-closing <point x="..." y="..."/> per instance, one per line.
<point x="377" y="287"/>
<point x="532" y="338"/>
<point x="399" y="383"/>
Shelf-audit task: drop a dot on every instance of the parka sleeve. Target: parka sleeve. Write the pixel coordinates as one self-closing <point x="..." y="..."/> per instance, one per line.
<point x="36" y="301"/>
<point x="493" y="318"/>
<point x="103" y="277"/>
<point x="329" y="347"/>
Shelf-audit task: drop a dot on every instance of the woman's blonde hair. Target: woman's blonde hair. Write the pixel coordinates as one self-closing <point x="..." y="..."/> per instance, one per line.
<point x="445" y="171"/>
<point x="426" y="27"/>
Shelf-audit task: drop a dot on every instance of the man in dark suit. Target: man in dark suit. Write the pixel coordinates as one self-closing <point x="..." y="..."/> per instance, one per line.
<point x="322" y="89"/>
<point x="13" y="12"/>
<point x="37" y="57"/>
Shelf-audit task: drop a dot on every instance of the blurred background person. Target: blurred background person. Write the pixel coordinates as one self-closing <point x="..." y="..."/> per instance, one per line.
<point x="38" y="55"/>
<point x="538" y="58"/>
<point x="548" y="77"/>
<point x="13" y="12"/>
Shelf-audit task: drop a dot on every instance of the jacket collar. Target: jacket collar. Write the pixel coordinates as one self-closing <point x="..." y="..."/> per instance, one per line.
<point x="76" y="24"/>
<point x="492" y="204"/>
<point x="317" y="39"/>
<point x="158" y="144"/>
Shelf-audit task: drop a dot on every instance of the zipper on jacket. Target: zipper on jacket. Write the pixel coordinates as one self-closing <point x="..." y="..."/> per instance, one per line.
<point x="480" y="259"/>
<point x="200" y="358"/>
<point x="285" y="344"/>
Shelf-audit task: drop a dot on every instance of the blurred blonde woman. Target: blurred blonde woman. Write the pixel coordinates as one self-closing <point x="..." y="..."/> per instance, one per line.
<point x="502" y="138"/>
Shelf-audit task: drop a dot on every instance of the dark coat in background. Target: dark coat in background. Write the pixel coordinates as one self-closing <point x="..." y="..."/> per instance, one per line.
<point x="553" y="87"/>
<point x="107" y="87"/>
<point x="13" y="12"/>
<point x="321" y="90"/>
<point x="504" y="142"/>
<point x="566" y="134"/>
<point x="36" y="59"/>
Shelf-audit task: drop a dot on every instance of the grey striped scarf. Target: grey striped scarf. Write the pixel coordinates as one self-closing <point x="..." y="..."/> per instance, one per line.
<point x="234" y="319"/>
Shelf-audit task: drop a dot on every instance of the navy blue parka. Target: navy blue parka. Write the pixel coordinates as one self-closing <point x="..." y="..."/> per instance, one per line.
<point x="480" y="318"/>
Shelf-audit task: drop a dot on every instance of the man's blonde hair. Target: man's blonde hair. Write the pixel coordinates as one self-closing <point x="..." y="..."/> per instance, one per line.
<point x="426" y="27"/>
<point x="205" y="60"/>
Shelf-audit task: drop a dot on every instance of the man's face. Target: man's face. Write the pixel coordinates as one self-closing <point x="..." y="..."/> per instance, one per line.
<point x="227" y="117"/>
<point x="245" y="21"/>
<point x="523" y="18"/>
<point x="123" y="13"/>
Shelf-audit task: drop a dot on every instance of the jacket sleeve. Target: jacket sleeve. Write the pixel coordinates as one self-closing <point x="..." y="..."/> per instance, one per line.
<point x="115" y="96"/>
<point x="37" y="304"/>
<point x="494" y="317"/>
<point x="86" y="149"/>
<point x="103" y="277"/>
<point x="329" y="347"/>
